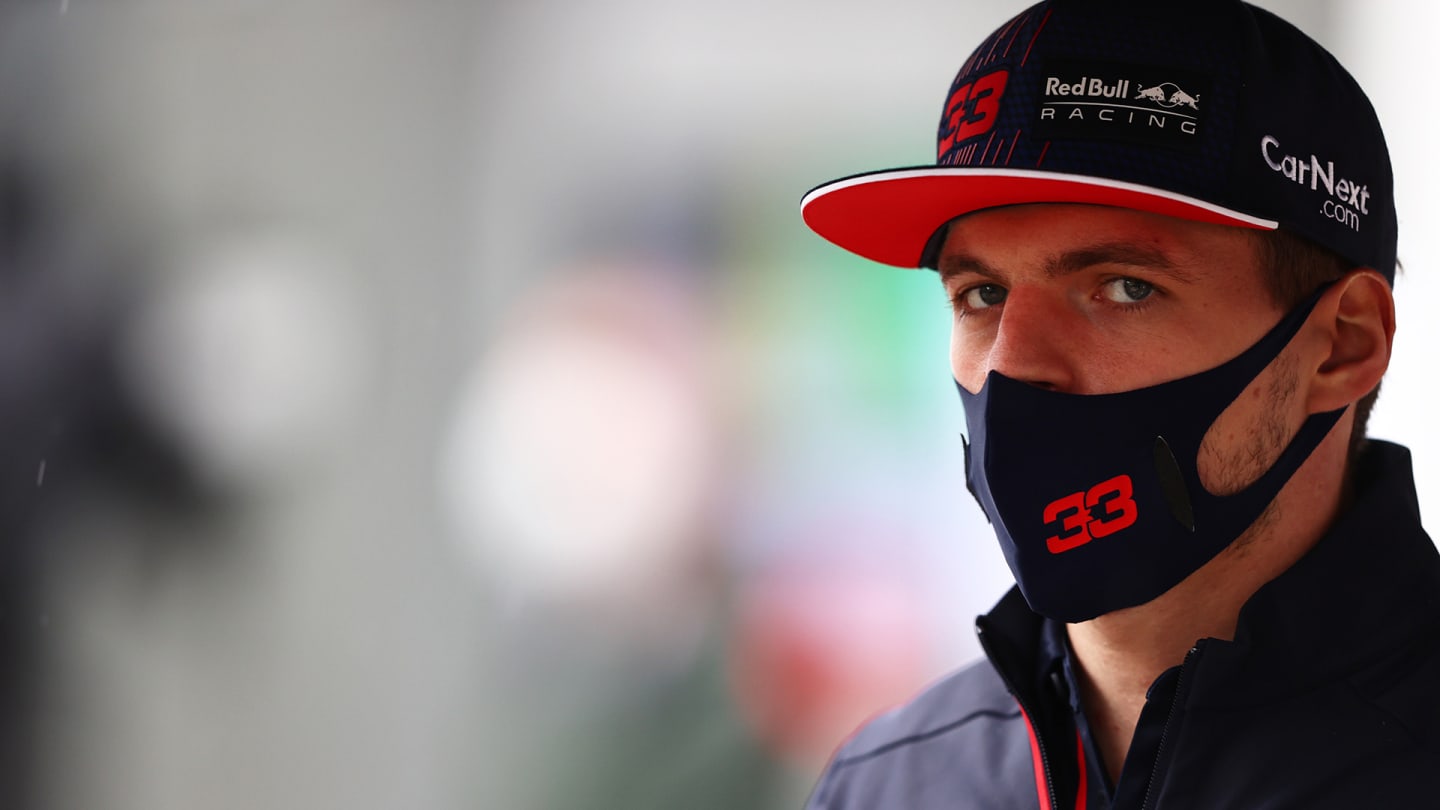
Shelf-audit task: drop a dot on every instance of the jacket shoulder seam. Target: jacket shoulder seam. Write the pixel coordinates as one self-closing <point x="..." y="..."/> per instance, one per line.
<point x="1380" y="708"/>
<point x="924" y="735"/>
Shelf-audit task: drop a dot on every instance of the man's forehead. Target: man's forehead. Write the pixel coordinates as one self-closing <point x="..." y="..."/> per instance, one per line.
<point x="1065" y="238"/>
<point x="1072" y="260"/>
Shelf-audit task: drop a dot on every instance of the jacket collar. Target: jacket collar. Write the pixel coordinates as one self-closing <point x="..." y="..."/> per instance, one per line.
<point x="1367" y="591"/>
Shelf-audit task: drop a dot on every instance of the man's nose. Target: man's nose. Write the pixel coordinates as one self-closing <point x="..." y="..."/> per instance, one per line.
<point x="1036" y="342"/>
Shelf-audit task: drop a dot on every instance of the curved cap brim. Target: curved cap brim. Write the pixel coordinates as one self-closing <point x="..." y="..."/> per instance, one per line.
<point x="890" y="216"/>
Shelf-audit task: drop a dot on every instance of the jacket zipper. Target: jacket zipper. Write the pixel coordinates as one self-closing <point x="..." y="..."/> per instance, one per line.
<point x="1026" y="713"/>
<point x="1180" y="690"/>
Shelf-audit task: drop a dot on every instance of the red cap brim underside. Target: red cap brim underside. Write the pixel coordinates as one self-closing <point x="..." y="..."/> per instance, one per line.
<point x="889" y="216"/>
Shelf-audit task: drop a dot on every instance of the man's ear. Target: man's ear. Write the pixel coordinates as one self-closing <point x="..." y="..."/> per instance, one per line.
<point x="1355" y="320"/>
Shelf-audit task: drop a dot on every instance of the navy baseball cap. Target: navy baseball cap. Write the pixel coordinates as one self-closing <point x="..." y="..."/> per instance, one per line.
<point x="1207" y="110"/>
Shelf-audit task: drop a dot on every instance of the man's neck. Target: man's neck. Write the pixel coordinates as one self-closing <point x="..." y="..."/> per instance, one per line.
<point x="1119" y="655"/>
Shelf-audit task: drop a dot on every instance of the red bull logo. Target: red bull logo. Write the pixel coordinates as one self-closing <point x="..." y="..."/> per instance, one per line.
<point x="1181" y="97"/>
<point x="1087" y="87"/>
<point x="1107" y="100"/>
<point x="1168" y="95"/>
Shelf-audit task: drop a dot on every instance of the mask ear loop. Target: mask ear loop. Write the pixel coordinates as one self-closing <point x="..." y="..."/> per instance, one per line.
<point x="1182" y="503"/>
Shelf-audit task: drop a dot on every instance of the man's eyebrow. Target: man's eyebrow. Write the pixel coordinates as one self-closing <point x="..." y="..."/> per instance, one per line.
<point x="1073" y="261"/>
<point x="959" y="263"/>
<point x="1124" y="253"/>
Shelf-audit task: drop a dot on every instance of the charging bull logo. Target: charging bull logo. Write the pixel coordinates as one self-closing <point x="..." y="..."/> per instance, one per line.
<point x="1155" y="94"/>
<point x="1181" y="97"/>
<point x="1168" y="94"/>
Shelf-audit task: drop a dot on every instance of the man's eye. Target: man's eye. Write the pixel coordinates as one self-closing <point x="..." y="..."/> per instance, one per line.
<point x="1126" y="290"/>
<point x="982" y="296"/>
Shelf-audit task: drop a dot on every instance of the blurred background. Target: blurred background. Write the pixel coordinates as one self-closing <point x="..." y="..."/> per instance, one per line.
<point x="441" y="404"/>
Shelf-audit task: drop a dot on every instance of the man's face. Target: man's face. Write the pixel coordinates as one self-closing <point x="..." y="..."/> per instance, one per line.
<point x="1094" y="300"/>
<point x="1090" y="300"/>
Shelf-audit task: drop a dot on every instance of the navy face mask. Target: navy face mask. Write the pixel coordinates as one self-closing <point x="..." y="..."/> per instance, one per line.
<point x="1096" y="499"/>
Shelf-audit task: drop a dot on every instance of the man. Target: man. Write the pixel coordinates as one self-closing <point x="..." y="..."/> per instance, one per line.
<point x="1168" y="234"/>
